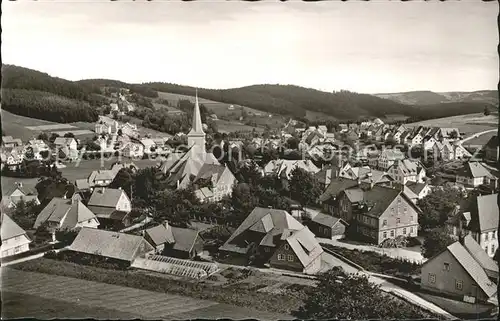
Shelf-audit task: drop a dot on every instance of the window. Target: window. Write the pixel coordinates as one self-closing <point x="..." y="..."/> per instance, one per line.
<point x="266" y="249"/>
<point x="384" y="235"/>
<point x="399" y="200"/>
<point x="281" y="257"/>
<point x="411" y="219"/>
<point x="446" y="266"/>
<point x="392" y="233"/>
<point x="459" y="284"/>
<point x="404" y="230"/>
<point x="398" y="220"/>
<point x="17" y="249"/>
<point x="486" y="236"/>
<point x="405" y="210"/>
<point x="290" y="258"/>
<point x="411" y="230"/>
<point x="432" y="278"/>
<point x="384" y="223"/>
<point x="287" y="247"/>
<point x="492" y="249"/>
<point x="494" y="235"/>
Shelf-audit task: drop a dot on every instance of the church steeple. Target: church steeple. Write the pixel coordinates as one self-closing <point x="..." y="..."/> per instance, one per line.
<point x="196" y="137"/>
<point x="197" y="125"/>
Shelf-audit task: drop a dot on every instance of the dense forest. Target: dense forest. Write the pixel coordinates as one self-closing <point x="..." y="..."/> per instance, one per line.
<point x="47" y="106"/>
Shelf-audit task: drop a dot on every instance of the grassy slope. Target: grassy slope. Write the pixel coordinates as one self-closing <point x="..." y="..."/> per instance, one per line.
<point x="465" y="123"/>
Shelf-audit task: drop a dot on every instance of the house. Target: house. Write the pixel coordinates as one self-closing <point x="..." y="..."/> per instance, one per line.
<point x="133" y="150"/>
<point x="280" y="240"/>
<point x="9" y="142"/>
<point x="378" y="213"/>
<point x="149" y="145"/>
<point x="388" y="157"/>
<point x="12" y="157"/>
<point x="121" y="247"/>
<point x="101" y="178"/>
<point x="478" y="217"/>
<point x="183" y="243"/>
<point x="459" y="152"/>
<point x="15" y="240"/>
<point x="407" y="170"/>
<point x="12" y="196"/>
<point x="456" y="271"/>
<point x="111" y="206"/>
<point x="491" y="149"/>
<point x="473" y="174"/>
<point x="429" y="143"/>
<point x="66" y="143"/>
<point x="284" y="167"/>
<point x="416" y="191"/>
<point x="343" y="128"/>
<point x="220" y="181"/>
<point x="103" y="128"/>
<point x="322" y="129"/>
<point x="327" y="226"/>
<point x="324" y="176"/>
<point x="62" y="213"/>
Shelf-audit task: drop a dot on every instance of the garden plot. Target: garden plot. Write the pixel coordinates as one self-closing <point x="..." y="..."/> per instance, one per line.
<point x="50" y="127"/>
<point x="77" y="132"/>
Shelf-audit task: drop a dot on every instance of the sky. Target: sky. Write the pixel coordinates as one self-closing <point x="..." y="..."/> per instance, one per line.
<point x="368" y="47"/>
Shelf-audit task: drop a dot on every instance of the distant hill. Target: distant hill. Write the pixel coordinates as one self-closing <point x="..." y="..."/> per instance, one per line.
<point x="295" y="101"/>
<point x="285" y="100"/>
<point x="430" y="97"/>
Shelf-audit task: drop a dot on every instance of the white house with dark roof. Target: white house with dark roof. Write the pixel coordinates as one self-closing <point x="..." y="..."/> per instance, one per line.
<point x="13" y="195"/>
<point x="407" y="170"/>
<point x="473" y="174"/>
<point x="68" y="143"/>
<point x="15" y="240"/>
<point x="63" y="213"/>
<point x="458" y="271"/>
<point x="283" y="242"/>
<point x="477" y="216"/>
<point x="111" y="206"/>
<point x="388" y="157"/>
<point x="9" y="142"/>
<point x="184" y="243"/>
<point x="416" y="191"/>
<point x="221" y="182"/>
<point x="284" y="167"/>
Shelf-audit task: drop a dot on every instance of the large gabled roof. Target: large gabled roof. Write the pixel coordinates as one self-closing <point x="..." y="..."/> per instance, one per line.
<point x="105" y="197"/>
<point x="305" y="246"/>
<point x="471" y="266"/>
<point x="474" y="169"/>
<point x="110" y="244"/>
<point x="261" y="221"/>
<point x="9" y="228"/>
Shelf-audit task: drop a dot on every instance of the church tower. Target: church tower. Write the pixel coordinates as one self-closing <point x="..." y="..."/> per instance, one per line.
<point x="196" y="137"/>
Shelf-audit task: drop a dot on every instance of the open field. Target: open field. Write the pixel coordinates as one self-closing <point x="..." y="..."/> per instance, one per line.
<point x="116" y="301"/>
<point x="468" y="124"/>
<point x="27" y="128"/>
<point x="218" y="108"/>
<point x="233" y="126"/>
<point x="316" y="115"/>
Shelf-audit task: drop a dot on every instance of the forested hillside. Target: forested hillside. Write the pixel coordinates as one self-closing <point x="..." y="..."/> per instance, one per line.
<point x="294" y="100"/>
<point x="47" y="106"/>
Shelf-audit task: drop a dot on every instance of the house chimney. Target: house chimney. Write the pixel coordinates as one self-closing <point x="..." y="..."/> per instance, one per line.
<point x="19" y="184"/>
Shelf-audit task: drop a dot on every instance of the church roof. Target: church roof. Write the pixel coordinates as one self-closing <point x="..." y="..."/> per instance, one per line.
<point x="197" y="126"/>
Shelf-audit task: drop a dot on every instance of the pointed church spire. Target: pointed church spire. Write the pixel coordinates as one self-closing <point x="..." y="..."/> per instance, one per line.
<point x="197" y="125"/>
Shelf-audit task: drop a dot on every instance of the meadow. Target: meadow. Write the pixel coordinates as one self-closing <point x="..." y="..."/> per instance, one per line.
<point x="468" y="124"/>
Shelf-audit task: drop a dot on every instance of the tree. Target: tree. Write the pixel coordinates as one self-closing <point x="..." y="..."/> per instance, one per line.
<point x="120" y="133"/>
<point x="436" y="241"/>
<point x="124" y="179"/>
<point x="437" y="206"/>
<point x="25" y="214"/>
<point x="454" y="134"/>
<point x="43" y="136"/>
<point x="53" y="137"/>
<point x="69" y="135"/>
<point x="486" y="111"/>
<point x="304" y="187"/>
<point x="342" y="296"/>
<point x="293" y="143"/>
